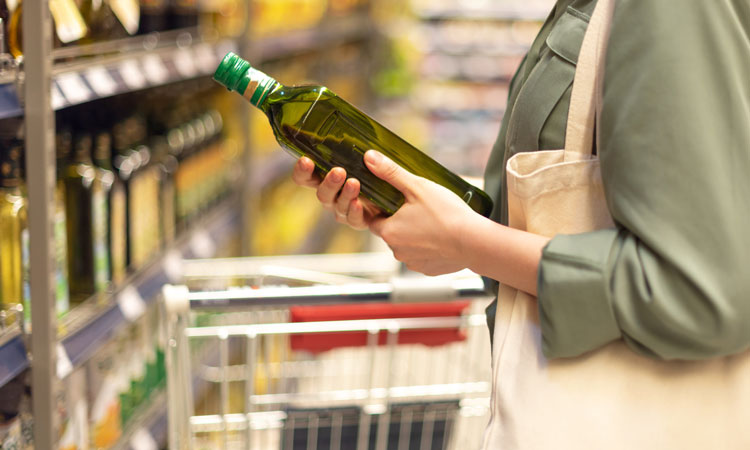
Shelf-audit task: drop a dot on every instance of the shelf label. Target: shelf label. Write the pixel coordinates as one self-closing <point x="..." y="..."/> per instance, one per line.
<point x="101" y="81"/>
<point x="131" y="74"/>
<point x="56" y="97"/>
<point x="64" y="366"/>
<point x="131" y="304"/>
<point x="173" y="265"/>
<point x="155" y="70"/>
<point x="73" y="87"/>
<point x="202" y="245"/>
<point x="205" y="58"/>
<point x="183" y="61"/>
<point x="142" y="440"/>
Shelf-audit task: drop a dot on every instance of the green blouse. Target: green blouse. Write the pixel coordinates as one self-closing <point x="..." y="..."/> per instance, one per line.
<point x="673" y="277"/>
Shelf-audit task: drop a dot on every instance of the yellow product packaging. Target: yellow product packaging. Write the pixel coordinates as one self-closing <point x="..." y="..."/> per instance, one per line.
<point x="104" y="414"/>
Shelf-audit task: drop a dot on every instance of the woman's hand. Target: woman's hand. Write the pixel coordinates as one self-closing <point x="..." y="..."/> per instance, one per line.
<point x="434" y="231"/>
<point x="336" y="194"/>
<point x="426" y="231"/>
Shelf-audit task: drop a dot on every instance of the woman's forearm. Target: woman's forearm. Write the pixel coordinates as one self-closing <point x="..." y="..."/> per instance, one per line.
<point x="504" y="254"/>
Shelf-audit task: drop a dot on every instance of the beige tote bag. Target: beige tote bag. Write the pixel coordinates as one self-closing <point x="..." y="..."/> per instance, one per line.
<point x="611" y="398"/>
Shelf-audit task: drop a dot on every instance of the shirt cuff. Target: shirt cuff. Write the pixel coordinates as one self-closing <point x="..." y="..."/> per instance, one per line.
<point x="575" y="310"/>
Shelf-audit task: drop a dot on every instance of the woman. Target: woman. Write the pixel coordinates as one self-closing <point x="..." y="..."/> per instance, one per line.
<point x="671" y="279"/>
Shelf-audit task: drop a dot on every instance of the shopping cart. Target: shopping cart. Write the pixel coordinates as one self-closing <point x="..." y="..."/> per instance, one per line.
<point x="400" y="362"/>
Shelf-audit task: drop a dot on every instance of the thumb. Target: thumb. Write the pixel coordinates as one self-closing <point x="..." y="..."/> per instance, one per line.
<point x="387" y="170"/>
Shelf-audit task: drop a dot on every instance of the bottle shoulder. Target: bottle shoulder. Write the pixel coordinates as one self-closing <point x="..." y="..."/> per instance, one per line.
<point x="303" y="93"/>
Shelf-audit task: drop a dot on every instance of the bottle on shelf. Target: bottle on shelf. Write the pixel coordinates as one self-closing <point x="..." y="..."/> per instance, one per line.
<point x="153" y="17"/>
<point x="64" y="145"/>
<point x="110" y="19"/>
<point x="86" y="204"/>
<point x="116" y="227"/>
<point x="13" y="230"/>
<point x="312" y="121"/>
<point x="183" y="14"/>
<point x="133" y="165"/>
<point x="68" y="24"/>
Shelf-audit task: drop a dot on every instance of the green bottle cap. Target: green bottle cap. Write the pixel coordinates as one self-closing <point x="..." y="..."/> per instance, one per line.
<point x="236" y="74"/>
<point x="231" y="71"/>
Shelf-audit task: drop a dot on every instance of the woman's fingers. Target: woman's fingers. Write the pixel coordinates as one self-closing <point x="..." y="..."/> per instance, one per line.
<point x="356" y="216"/>
<point x="304" y="173"/>
<point x="349" y="192"/>
<point x="330" y="186"/>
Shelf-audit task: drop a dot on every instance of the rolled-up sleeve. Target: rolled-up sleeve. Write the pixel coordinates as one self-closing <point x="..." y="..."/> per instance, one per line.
<point x="673" y="278"/>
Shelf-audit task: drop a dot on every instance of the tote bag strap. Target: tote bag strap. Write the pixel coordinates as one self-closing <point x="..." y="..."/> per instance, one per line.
<point x="587" y="84"/>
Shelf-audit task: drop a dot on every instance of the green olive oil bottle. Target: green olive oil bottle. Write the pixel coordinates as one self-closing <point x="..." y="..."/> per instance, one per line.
<point x="314" y="122"/>
<point x="86" y="213"/>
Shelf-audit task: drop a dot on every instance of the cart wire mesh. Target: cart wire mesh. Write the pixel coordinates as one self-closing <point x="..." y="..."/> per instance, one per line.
<point x="260" y="367"/>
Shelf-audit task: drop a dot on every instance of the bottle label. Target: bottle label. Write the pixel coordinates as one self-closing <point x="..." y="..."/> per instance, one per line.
<point x="69" y="23"/>
<point x="99" y="228"/>
<point x="61" y="261"/>
<point x="134" y="221"/>
<point x="117" y="227"/>
<point x="167" y="211"/>
<point x="128" y="12"/>
<point x="258" y="87"/>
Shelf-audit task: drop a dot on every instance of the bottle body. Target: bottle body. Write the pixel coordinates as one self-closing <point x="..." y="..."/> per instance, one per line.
<point x="314" y="122"/>
<point x="86" y="213"/>
<point x="12" y="231"/>
<point x="115" y="205"/>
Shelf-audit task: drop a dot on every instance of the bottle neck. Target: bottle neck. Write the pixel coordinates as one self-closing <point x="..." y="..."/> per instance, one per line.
<point x="257" y="86"/>
<point x="236" y="74"/>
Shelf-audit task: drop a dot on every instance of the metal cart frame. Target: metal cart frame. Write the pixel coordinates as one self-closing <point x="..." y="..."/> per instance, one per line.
<point x="375" y="395"/>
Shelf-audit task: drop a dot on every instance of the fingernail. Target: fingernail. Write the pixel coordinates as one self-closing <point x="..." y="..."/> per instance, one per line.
<point x="373" y="157"/>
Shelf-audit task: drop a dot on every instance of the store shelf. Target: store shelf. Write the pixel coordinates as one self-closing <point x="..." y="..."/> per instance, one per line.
<point x="85" y="73"/>
<point x="328" y="33"/>
<point x="13" y="359"/>
<point x="101" y="77"/>
<point x="89" y="78"/>
<point x="91" y="324"/>
<point x="89" y="328"/>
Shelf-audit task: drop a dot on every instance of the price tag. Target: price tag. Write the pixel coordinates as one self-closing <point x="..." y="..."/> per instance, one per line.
<point x="101" y="81"/>
<point x="173" y="265"/>
<point x="64" y="366"/>
<point x="183" y="61"/>
<point x="73" y="88"/>
<point x="202" y="245"/>
<point x="205" y="58"/>
<point x="132" y="75"/>
<point x="131" y="304"/>
<point x="142" y="440"/>
<point x="56" y="98"/>
<point x="155" y="70"/>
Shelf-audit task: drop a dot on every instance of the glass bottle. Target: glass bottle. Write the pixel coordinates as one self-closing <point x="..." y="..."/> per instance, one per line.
<point x="13" y="229"/>
<point x="109" y="19"/>
<point x="116" y="225"/>
<point x="312" y="121"/>
<point x="153" y="16"/>
<point x="67" y="22"/>
<point x="64" y="145"/>
<point x="183" y="14"/>
<point x="86" y="213"/>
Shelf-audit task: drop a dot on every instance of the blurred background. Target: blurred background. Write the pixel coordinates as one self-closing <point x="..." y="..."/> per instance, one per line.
<point x="109" y="104"/>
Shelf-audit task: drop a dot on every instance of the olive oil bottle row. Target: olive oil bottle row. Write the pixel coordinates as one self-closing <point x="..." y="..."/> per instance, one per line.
<point x="127" y="183"/>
